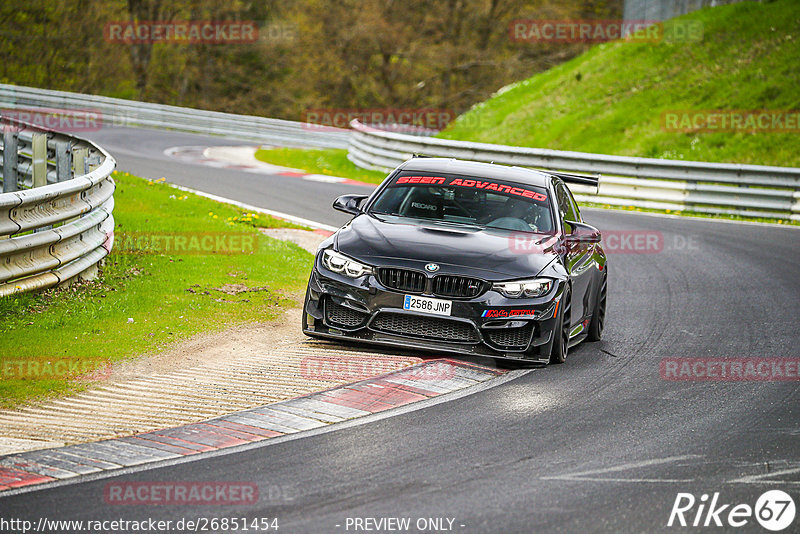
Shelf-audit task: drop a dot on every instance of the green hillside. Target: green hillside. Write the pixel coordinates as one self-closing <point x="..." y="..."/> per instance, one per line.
<point x="611" y="99"/>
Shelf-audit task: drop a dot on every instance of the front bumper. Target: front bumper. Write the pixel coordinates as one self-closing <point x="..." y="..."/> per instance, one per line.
<point x="490" y="324"/>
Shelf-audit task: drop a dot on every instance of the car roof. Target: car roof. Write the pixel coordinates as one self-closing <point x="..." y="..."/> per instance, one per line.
<point x="476" y="169"/>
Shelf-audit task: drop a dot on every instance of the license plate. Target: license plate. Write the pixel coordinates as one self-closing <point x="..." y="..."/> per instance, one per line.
<point x="428" y="305"/>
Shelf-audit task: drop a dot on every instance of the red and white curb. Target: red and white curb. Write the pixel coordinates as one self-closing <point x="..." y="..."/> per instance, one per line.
<point x="419" y="382"/>
<point x="242" y="158"/>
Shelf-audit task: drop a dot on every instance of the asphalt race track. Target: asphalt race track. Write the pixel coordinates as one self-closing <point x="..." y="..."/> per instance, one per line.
<point x="599" y="444"/>
<point x="141" y="152"/>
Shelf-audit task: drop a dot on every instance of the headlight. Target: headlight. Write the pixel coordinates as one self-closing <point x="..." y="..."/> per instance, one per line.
<point x="524" y="288"/>
<point x="339" y="263"/>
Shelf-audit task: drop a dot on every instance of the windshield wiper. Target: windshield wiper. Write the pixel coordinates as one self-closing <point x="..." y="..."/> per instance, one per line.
<point x="384" y="213"/>
<point x="453" y="223"/>
<point x="424" y="220"/>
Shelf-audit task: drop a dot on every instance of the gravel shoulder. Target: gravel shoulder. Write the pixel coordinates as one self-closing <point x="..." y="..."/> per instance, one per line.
<point x="205" y="376"/>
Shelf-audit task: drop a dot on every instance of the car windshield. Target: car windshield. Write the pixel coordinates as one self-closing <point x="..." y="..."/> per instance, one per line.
<point x="469" y="201"/>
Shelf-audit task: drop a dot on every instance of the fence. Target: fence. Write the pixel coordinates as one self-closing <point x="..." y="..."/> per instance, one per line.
<point x="666" y="9"/>
<point x="120" y="112"/>
<point x="712" y="188"/>
<point x="56" y="207"/>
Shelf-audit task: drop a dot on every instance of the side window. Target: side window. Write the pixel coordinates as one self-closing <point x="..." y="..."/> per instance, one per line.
<point x="578" y="217"/>
<point x="565" y="205"/>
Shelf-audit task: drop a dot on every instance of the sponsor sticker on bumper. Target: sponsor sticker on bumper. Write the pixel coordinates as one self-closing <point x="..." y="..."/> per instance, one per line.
<point x="428" y="305"/>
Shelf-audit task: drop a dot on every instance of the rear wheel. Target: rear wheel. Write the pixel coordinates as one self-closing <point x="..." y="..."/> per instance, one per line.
<point x="558" y="354"/>
<point x="599" y="315"/>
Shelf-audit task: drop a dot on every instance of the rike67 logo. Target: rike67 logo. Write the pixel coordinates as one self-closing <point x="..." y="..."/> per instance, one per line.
<point x="774" y="510"/>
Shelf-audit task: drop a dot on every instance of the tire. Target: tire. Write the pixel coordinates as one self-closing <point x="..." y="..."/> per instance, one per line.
<point x="558" y="353"/>
<point x="595" y="332"/>
<point x="304" y="316"/>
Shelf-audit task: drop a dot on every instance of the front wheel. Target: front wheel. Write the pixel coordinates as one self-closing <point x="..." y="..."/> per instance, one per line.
<point x="558" y="354"/>
<point x="599" y="315"/>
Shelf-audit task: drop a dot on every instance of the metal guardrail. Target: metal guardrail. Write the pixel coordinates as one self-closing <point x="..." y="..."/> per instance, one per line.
<point x="666" y="9"/>
<point x="712" y="188"/>
<point x="120" y="112"/>
<point x="56" y="208"/>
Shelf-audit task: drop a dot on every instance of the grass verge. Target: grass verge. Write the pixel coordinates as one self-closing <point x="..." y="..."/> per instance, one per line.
<point x="683" y="213"/>
<point x="615" y="98"/>
<point x="148" y="296"/>
<point x="331" y="162"/>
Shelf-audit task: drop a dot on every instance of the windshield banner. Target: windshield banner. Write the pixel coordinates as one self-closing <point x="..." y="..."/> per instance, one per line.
<point x="485" y="185"/>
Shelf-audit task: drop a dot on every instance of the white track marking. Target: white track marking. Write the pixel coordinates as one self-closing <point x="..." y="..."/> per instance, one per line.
<point x="587" y="476"/>
<point x="763" y="478"/>
<point x="249" y="207"/>
<point x="323" y="178"/>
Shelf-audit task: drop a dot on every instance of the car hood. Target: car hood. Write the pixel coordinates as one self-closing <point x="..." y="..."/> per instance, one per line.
<point x="485" y="253"/>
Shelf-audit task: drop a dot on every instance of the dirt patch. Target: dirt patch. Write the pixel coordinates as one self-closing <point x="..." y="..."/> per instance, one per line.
<point x="306" y="240"/>
<point x="215" y="347"/>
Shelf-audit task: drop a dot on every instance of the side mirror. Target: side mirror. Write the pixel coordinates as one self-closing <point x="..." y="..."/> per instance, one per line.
<point x="349" y="203"/>
<point x="582" y="233"/>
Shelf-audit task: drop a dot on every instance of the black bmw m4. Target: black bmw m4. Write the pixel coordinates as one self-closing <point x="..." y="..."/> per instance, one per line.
<point x="462" y="257"/>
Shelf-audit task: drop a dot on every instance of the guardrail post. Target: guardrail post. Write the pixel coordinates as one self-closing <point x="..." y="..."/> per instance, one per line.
<point x="78" y="160"/>
<point x="79" y="156"/>
<point x="39" y="149"/>
<point x="63" y="161"/>
<point x="39" y="167"/>
<point x="10" y="160"/>
<point x="92" y="161"/>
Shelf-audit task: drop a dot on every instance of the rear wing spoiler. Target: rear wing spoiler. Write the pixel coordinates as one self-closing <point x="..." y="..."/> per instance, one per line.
<point x="581" y="179"/>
